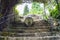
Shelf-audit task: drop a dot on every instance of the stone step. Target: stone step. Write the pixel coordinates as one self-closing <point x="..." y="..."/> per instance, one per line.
<point x="41" y="34"/>
<point x="30" y="38"/>
<point x="34" y="34"/>
<point x="28" y="30"/>
<point x="38" y="34"/>
<point x="41" y="27"/>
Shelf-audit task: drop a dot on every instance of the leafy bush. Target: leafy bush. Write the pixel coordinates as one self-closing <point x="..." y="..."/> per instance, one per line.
<point x="55" y="12"/>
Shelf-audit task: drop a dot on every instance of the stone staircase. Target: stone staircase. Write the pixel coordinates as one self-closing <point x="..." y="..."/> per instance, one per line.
<point x="35" y="30"/>
<point x="38" y="29"/>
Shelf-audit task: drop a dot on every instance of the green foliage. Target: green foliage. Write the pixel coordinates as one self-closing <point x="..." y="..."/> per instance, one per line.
<point x="53" y="8"/>
<point x="16" y="13"/>
<point x="1" y="15"/>
<point x="58" y="28"/>
<point x="26" y="10"/>
<point x="55" y="12"/>
<point x="15" y="10"/>
<point x="46" y="17"/>
<point x="36" y="9"/>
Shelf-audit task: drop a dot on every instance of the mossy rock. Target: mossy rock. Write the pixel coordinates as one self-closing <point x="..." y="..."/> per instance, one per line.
<point x="5" y="33"/>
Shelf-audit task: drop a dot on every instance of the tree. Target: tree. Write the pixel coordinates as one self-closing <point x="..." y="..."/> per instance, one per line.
<point x="36" y="9"/>
<point x="26" y="10"/>
<point x="53" y="7"/>
<point x="55" y="13"/>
